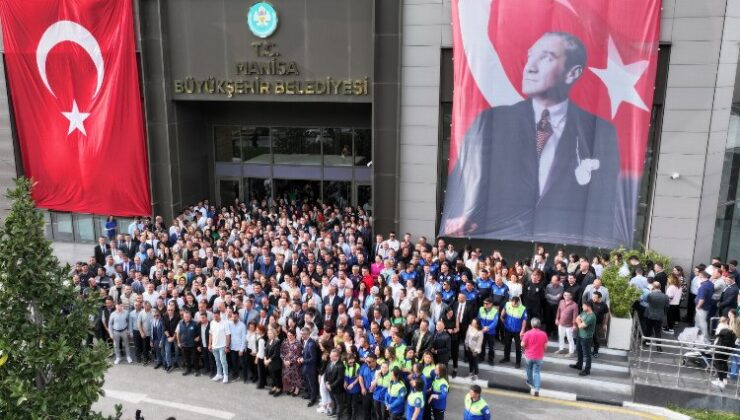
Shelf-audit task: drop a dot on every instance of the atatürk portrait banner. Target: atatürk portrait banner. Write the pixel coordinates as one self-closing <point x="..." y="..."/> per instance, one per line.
<point x="552" y="103"/>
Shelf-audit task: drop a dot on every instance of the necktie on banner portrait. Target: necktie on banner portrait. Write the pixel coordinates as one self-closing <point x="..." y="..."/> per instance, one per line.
<point x="75" y="93"/>
<point x="550" y="118"/>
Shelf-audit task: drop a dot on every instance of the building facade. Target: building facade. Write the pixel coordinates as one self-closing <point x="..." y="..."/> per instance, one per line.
<point x="350" y="101"/>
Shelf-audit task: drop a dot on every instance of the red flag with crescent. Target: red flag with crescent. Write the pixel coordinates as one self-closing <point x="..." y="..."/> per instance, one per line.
<point x="77" y="105"/>
<point x="551" y="110"/>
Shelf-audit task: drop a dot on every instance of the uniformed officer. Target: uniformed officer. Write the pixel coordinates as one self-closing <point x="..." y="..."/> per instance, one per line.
<point x="395" y="398"/>
<point x="476" y="407"/>
<point x="438" y="397"/>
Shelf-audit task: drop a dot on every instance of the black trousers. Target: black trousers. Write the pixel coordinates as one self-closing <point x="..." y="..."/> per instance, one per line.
<point x="190" y="358"/>
<point x="352" y="405"/>
<point x="690" y="308"/>
<point x="250" y="367"/>
<point x="489" y="340"/>
<point x="472" y="362"/>
<point x="655" y="326"/>
<point x="379" y="411"/>
<point x="207" y="362"/>
<point x="366" y="406"/>
<point x="438" y="414"/>
<point x="276" y="375"/>
<point x="508" y="336"/>
<point x="234" y="361"/>
<point x="674" y="315"/>
<point x="455" y="353"/>
<point x="337" y="402"/>
<point x="311" y="378"/>
<point x="550" y="312"/>
<point x="261" y="373"/>
<point x="138" y="345"/>
<point x="146" y="351"/>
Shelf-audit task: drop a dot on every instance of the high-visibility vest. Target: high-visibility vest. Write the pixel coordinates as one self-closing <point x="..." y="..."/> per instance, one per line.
<point x="427" y="371"/>
<point x="514" y="311"/>
<point x="395" y="388"/>
<point x="413" y="396"/>
<point x="437" y="384"/>
<point x="487" y="315"/>
<point x="475" y="408"/>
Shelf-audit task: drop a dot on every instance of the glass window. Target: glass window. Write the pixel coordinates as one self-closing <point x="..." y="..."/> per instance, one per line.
<point x="338" y="147"/>
<point x="298" y="146"/>
<point x="229" y="191"/>
<point x="363" y="146"/>
<point x="85" y="227"/>
<point x="257" y="188"/>
<point x="365" y="197"/>
<point x="293" y="189"/>
<point x="256" y="145"/>
<point x="227" y="140"/>
<point x="338" y="192"/>
<point x="726" y="243"/>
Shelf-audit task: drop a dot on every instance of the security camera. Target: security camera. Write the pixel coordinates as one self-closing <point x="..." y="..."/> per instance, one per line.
<point x="369" y="164"/>
<point x="675" y="175"/>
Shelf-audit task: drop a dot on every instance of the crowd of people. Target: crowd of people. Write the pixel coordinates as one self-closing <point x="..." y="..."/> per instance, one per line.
<point x="302" y="300"/>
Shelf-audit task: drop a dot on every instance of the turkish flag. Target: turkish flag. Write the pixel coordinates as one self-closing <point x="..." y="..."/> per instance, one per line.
<point x="75" y="92"/>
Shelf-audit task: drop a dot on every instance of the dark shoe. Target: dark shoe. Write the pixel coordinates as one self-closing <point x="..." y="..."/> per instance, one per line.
<point x="187" y="372"/>
<point x="146" y="363"/>
<point x="157" y="366"/>
<point x="659" y="349"/>
<point x="170" y="369"/>
<point x="311" y="403"/>
<point x="490" y="362"/>
<point x="305" y="397"/>
<point x="454" y="373"/>
<point x="277" y="394"/>
<point x="272" y="392"/>
<point x="584" y="373"/>
<point x="260" y="387"/>
<point x="517" y="365"/>
<point x="595" y="355"/>
<point x="504" y="360"/>
<point x="576" y="366"/>
<point x="197" y="373"/>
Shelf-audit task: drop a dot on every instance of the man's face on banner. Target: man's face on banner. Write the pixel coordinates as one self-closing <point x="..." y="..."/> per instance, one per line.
<point x="545" y="71"/>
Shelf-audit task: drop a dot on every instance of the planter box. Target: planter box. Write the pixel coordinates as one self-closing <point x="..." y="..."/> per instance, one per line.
<point x="620" y="333"/>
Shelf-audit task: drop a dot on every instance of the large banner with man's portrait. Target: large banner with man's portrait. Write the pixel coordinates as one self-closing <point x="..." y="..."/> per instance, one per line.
<point x="551" y="110"/>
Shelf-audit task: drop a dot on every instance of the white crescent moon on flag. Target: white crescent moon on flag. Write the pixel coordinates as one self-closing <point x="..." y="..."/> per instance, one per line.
<point x="483" y="59"/>
<point x="65" y="30"/>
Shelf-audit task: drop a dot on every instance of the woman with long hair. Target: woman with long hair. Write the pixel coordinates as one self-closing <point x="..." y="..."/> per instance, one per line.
<point x="260" y="356"/>
<point x="273" y="362"/>
<point x="473" y="347"/>
<point x="290" y="352"/>
<point x="673" y="291"/>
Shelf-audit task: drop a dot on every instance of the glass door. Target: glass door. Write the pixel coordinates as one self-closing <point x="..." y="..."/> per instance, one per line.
<point x="364" y="197"/>
<point x="229" y="189"/>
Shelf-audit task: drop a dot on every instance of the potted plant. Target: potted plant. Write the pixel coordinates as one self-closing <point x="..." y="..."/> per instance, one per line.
<point x="622" y="296"/>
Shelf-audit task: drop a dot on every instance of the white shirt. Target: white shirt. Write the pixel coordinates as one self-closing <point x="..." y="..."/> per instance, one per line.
<point x="219" y="331"/>
<point x="557" y="121"/>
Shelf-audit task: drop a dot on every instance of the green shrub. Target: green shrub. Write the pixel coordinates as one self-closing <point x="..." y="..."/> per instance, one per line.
<point x="621" y="294"/>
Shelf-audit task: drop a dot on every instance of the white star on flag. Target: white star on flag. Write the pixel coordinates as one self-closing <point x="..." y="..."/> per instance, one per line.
<point x="76" y="119"/>
<point x="620" y="79"/>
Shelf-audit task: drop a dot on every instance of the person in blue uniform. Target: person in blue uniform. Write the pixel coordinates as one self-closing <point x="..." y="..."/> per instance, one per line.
<point x="438" y="397"/>
<point x="379" y="387"/>
<point x="367" y="375"/>
<point x="476" y="408"/>
<point x="351" y="388"/>
<point x="415" y="400"/>
<point x="488" y="316"/>
<point x="395" y="398"/>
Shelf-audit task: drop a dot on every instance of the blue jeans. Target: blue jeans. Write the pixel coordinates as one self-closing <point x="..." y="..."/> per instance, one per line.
<point x="533" y="373"/>
<point x="222" y="366"/>
<point x="584" y="353"/>
<point x="169" y="357"/>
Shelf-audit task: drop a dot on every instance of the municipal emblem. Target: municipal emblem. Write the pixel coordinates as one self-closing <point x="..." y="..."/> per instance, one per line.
<point x="262" y="19"/>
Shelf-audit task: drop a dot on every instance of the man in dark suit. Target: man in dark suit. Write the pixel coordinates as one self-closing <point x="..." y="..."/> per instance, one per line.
<point x="309" y="359"/>
<point x="543" y="168"/>
<point x="422" y="339"/>
<point x="332" y="298"/>
<point x="101" y="251"/>
<point x="334" y="377"/>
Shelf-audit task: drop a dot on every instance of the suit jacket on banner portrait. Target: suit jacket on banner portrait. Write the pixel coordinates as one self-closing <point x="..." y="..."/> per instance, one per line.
<point x="74" y="84"/>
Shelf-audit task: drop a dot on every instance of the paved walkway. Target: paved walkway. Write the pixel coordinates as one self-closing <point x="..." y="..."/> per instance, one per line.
<point x="159" y="395"/>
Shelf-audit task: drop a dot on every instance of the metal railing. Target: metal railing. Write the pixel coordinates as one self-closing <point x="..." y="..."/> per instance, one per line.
<point x="681" y="364"/>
